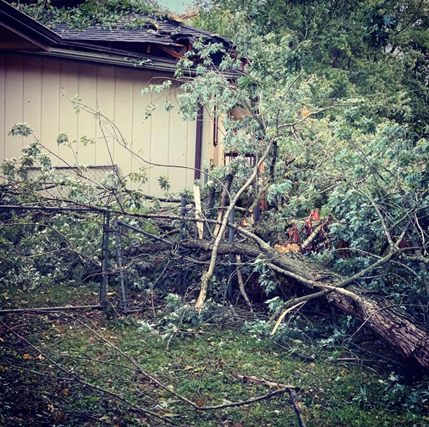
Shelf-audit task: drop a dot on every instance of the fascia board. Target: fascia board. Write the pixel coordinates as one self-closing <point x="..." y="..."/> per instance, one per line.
<point x="26" y="27"/>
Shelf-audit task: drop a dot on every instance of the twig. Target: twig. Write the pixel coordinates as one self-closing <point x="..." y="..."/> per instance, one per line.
<point x="222" y="203"/>
<point x="244" y="402"/>
<point x="91" y="359"/>
<point x="411" y="20"/>
<point x="86" y="384"/>
<point x="276" y="326"/>
<point x="296" y="406"/>
<point x="20" y="368"/>
<point x="313" y="235"/>
<point x="208" y="275"/>
<point x="284" y="387"/>
<point x="179" y="396"/>
<point x="261" y="381"/>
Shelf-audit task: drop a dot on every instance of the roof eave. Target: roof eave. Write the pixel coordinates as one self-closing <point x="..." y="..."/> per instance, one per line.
<point x="26" y="27"/>
<point x="101" y="57"/>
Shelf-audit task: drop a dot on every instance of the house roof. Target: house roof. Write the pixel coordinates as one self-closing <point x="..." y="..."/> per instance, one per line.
<point x="166" y="32"/>
<point x="129" y="36"/>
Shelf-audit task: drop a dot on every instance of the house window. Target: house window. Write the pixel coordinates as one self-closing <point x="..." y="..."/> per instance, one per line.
<point x="228" y="157"/>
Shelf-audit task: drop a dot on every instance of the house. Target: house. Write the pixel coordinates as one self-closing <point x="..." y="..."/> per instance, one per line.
<point x="42" y="68"/>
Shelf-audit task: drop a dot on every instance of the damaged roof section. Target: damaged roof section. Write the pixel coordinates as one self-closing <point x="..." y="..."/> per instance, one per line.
<point x="139" y="36"/>
<point x="166" y="32"/>
<point x="152" y="42"/>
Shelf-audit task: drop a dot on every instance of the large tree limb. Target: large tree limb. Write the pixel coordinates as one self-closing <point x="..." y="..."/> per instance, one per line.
<point x="208" y="275"/>
<point x="388" y="321"/>
<point x="293" y="397"/>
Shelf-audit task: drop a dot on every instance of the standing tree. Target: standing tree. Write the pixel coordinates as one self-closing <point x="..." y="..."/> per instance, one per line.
<point x="362" y="48"/>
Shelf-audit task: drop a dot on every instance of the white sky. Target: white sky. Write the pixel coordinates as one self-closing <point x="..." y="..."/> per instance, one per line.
<point x="176" y="6"/>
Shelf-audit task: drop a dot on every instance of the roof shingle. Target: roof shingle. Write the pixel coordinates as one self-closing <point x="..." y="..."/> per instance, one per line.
<point x="167" y="32"/>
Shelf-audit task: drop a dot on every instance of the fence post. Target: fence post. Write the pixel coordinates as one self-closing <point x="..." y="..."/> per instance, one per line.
<point x="124" y="301"/>
<point x="231" y="219"/>
<point x="105" y="256"/>
<point x="183" y="214"/>
<point x="257" y="213"/>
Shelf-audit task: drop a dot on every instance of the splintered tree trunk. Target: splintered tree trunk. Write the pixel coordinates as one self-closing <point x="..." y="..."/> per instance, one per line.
<point x="387" y="320"/>
<point x="390" y="322"/>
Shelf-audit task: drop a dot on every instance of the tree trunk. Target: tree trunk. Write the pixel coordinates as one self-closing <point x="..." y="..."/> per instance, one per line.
<point x="388" y="321"/>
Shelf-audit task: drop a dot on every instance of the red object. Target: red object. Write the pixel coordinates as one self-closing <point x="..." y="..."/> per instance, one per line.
<point x="404" y="243"/>
<point x="295" y="233"/>
<point x="308" y="227"/>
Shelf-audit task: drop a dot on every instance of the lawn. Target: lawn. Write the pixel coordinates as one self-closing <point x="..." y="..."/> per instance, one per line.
<point x="91" y="368"/>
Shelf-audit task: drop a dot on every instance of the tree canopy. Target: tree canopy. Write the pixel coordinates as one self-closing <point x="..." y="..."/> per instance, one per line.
<point x="377" y="49"/>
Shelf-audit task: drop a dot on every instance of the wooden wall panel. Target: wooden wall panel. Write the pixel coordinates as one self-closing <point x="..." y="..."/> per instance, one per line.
<point x="50" y="111"/>
<point x="13" y="101"/>
<point x="2" y="107"/>
<point x="141" y="128"/>
<point x="190" y="152"/>
<point x="69" y="86"/>
<point x="207" y="152"/>
<point x="87" y="123"/>
<point x="104" y="146"/>
<point x="32" y="97"/>
<point x="219" y="150"/>
<point x="160" y="146"/>
<point x="124" y="97"/>
<point x="178" y="139"/>
<point x="36" y="90"/>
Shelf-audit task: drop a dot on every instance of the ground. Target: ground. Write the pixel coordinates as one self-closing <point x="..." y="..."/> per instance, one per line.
<point x="200" y="362"/>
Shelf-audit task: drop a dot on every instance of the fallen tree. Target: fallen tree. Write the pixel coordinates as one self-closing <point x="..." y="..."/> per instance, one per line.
<point x="388" y="321"/>
<point x="369" y="181"/>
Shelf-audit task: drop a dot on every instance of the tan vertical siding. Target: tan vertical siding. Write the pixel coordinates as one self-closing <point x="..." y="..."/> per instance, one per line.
<point x="190" y="151"/>
<point x="2" y="107"/>
<point x="141" y="128"/>
<point x="218" y="150"/>
<point x="37" y="90"/>
<point x="104" y="148"/>
<point x="50" y="115"/>
<point x="123" y="116"/>
<point x="69" y="86"/>
<point x="160" y="138"/>
<point x="207" y="148"/>
<point x="32" y="94"/>
<point x="178" y="139"/>
<point x="13" y="103"/>
<point x="87" y="123"/>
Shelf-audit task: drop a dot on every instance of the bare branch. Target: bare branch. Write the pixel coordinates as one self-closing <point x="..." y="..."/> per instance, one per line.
<point x="85" y="383"/>
<point x="174" y="393"/>
<point x="208" y="275"/>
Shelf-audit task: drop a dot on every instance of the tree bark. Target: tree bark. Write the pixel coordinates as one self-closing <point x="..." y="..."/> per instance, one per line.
<point x="387" y="320"/>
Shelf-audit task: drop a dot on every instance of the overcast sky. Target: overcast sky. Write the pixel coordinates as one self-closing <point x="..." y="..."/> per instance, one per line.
<point x="176" y="6"/>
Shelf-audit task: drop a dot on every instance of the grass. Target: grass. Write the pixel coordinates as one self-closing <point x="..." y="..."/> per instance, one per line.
<point x="56" y="295"/>
<point x="199" y="365"/>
